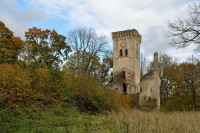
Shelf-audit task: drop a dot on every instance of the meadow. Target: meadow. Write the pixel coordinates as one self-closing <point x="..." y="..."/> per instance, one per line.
<point x="70" y="120"/>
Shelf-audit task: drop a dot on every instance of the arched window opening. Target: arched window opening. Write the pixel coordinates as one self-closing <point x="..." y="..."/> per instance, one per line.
<point x="124" y="88"/>
<point x="124" y="75"/>
<point x="126" y="52"/>
<point x="121" y="52"/>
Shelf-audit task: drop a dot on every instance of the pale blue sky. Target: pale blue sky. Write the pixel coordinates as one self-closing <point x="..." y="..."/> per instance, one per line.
<point x="149" y="17"/>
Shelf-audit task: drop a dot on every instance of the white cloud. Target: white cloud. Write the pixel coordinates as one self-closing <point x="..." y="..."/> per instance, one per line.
<point x="149" y="17"/>
<point x="115" y="14"/>
<point x="19" y="20"/>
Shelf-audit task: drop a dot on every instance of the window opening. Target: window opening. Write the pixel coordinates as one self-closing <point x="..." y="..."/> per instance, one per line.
<point x="121" y="52"/>
<point x="126" y="52"/>
<point x="124" y="75"/>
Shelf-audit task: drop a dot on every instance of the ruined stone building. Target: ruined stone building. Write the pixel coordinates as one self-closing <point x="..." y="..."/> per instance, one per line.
<point x="126" y="69"/>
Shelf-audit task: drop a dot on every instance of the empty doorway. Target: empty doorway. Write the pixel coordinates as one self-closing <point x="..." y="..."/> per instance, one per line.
<point x="124" y="88"/>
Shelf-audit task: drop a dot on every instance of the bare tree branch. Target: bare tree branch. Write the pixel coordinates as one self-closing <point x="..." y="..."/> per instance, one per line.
<point x="87" y="44"/>
<point x="186" y="32"/>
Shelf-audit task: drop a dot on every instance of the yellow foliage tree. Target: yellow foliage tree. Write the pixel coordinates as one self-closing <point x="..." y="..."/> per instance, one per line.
<point x="15" y="83"/>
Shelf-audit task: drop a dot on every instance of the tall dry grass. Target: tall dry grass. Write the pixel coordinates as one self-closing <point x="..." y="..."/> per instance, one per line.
<point x="125" y="121"/>
<point x="136" y="121"/>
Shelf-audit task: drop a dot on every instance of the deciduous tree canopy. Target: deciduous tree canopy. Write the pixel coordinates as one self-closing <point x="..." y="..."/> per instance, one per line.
<point x="87" y="46"/>
<point x="46" y="47"/>
<point x="10" y="46"/>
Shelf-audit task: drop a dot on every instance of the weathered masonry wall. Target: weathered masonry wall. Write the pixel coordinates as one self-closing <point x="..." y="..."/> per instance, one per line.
<point x="126" y="60"/>
<point x="126" y="69"/>
<point x="149" y="96"/>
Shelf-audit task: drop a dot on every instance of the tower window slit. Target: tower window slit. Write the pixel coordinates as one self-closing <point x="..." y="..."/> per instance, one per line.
<point x="126" y="52"/>
<point x="121" y="52"/>
<point x="124" y="75"/>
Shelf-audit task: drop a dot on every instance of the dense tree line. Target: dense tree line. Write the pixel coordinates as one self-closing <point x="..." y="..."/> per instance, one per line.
<point x="48" y="68"/>
<point x="179" y="83"/>
<point x="33" y="75"/>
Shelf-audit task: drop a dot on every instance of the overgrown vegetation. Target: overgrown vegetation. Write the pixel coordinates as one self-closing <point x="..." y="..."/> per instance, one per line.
<point x="70" y="120"/>
<point x="35" y="78"/>
<point x="39" y="93"/>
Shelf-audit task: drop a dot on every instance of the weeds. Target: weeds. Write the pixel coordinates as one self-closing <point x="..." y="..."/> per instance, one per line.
<point x="69" y="120"/>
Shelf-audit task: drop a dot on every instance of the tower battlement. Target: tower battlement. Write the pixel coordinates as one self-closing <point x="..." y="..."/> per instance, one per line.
<point x="133" y="33"/>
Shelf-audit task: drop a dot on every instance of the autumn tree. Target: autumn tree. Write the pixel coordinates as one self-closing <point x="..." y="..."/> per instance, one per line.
<point x="172" y="92"/>
<point x="15" y="84"/>
<point x="43" y="53"/>
<point x="46" y="47"/>
<point x="87" y="46"/>
<point x="84" y="57"/>
<point x="183" y="81"/>
<point x="10" y="46"/>
<point x="164" y="61"/>
<point x="104" y="74"/>
<point x="99" y="69"/>
<point x="192" y="72"/>
<point x="187" y="32"/>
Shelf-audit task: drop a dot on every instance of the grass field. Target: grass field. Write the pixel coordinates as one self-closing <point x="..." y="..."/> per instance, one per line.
<point x="69" y="120"/>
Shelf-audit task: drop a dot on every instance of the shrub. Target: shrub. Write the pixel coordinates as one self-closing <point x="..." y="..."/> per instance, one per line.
<point x="47" y="84"/>
<point x="89" y="95"/>
<point x="15" y="84"/>
<point x="15" y="88"/>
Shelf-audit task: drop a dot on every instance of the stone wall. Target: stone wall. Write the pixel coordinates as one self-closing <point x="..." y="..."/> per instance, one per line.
<point x="149" y="96"/>
<point x="126" y="69"/>
<point x="127" y="63"/>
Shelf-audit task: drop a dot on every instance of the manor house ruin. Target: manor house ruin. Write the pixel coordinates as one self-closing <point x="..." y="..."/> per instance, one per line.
<point x="126" y="69"/>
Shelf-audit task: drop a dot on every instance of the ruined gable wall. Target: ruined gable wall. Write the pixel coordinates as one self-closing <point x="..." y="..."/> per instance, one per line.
<point x="149" y="96"/>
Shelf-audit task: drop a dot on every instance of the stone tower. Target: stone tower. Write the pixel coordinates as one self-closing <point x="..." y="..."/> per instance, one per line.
<point x="126" y="61"/>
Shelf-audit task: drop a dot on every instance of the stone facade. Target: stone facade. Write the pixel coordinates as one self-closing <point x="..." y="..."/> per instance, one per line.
<point x="149" y="87"/>
<point x="126" y="59"/>
<point x="126" y="69"/>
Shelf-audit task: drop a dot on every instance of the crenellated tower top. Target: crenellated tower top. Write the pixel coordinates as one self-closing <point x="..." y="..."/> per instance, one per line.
<point x="133" y="33"/>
